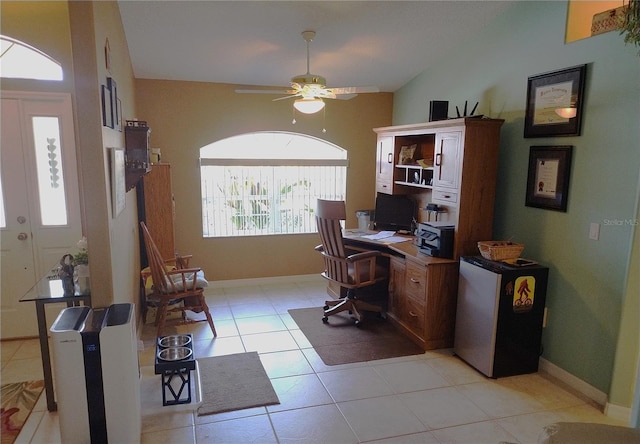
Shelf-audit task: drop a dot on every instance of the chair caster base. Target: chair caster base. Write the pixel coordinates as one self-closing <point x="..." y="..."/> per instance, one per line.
<point x="358" y="324"/>
<point x="325" y="319"/>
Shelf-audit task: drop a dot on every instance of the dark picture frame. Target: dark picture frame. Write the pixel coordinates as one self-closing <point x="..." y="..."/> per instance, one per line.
<point x="107" y="107"/>
<point x="548" y="177"/>
<point x="551" y="91"/>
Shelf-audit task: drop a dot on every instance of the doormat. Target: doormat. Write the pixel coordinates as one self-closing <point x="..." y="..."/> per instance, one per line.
<point x="234" y="382"/>
<point x="340" y="342"/>
<point x="18" y="400"/>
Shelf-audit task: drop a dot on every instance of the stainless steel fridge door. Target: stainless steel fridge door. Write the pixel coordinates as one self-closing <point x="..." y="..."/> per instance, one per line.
<point x="476" y="316"/>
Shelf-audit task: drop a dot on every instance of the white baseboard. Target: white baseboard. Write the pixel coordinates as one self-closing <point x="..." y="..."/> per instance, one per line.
<point x="267" y="280"/>
<point x="574" y="382"/>
<point x="618" y="412"/>
<point x="611" y="410"/>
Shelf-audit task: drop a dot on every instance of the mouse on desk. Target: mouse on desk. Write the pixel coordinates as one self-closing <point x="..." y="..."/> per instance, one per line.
<point x="403" y="232"/>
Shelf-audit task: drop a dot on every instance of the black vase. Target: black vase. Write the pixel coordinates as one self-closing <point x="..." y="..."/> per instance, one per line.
<point x="67" y="285"/>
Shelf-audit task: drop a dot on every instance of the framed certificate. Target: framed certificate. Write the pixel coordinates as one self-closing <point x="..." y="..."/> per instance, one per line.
<point x="554" y="103"/>
<point x="548" y="177"/>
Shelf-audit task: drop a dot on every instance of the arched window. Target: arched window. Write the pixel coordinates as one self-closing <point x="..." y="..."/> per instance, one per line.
<point x="21" y="61"/>
<point x="268" y="183"/>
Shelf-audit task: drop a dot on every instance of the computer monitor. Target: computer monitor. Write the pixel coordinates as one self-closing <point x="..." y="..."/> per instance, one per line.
<point x="394" y="213"/>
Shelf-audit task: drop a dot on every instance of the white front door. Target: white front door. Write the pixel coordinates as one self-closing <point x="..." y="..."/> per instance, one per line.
<point x="39" y="200"/>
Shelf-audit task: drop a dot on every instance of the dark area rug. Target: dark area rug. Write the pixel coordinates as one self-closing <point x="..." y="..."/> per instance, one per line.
<point x="341" y="342"/>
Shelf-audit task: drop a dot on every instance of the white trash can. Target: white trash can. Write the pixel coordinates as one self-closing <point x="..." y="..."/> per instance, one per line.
<point x="365" y="219"/>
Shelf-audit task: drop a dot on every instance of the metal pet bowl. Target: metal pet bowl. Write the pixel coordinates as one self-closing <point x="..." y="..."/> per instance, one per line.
<point x="174" y="341"/>
<point x="175" y="353"/>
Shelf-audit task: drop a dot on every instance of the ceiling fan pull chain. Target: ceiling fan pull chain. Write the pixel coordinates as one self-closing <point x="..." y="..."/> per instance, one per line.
<point x="324" y="119"/>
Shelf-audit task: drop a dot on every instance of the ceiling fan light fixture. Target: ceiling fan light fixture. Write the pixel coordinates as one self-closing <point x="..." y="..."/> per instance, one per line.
<point x="308" y="106"/>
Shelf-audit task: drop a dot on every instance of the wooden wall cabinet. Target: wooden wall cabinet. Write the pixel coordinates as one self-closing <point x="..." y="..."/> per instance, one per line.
<point x="156" y="209"/>
<point x="462" y="180"/>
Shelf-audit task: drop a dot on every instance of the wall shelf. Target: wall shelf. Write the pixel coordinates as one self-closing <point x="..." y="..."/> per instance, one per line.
<point x="137" y="158"/>
<point x="414" y="176"/>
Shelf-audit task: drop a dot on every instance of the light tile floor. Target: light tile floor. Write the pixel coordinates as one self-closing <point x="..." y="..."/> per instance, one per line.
<point x="429" y="398"/>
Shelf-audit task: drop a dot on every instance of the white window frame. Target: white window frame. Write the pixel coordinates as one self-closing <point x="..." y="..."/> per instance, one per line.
<point x="21" y="61"/>
<point x="267" y="183"/>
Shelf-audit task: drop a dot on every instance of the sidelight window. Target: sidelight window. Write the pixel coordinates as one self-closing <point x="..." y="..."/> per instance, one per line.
<point x="48" y="155"/>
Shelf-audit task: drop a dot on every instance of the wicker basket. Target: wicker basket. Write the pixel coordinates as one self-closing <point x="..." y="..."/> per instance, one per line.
<point x="500" y="250"/>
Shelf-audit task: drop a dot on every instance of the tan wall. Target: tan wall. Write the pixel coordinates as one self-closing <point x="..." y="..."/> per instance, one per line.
<point x="45" y="26"/>
<point x="74" y="33"/>
<point x="184" y="116"/>
<point x="113" y="241"/>
<point x="123" y="228"/>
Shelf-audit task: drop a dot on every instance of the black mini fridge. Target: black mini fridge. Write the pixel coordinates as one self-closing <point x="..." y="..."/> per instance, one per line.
<point x="499" y="317"/>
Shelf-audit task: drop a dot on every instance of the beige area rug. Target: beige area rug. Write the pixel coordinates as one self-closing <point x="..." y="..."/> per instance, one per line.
<point x="234" y="382"/>
<point x="341" y="342"/>
<point x="18" y="400"/>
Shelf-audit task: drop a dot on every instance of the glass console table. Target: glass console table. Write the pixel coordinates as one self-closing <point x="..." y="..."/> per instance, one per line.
<point x="48" y="290"/>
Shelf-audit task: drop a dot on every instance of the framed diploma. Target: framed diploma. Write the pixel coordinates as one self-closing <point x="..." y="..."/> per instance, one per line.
<point x="554" y="103"/>
<point x="548" y="177"/>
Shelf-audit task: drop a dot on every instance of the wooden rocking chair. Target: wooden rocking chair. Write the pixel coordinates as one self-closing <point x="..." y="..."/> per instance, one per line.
<point x="173" y="283"/>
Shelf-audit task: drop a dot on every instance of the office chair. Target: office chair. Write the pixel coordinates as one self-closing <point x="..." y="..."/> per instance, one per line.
<point x="349" y="271"/>
<point x="174" y="285"/>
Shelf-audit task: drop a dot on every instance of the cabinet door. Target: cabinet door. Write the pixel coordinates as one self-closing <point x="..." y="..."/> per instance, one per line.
<point x="447" y="160"/>
<point x="396" y="286"/>
<point x="384" y="165"/>
<point x="158" y="208"/>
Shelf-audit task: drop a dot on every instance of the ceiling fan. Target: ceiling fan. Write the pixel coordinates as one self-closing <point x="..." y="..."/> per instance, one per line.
<point x="309" y="89"/>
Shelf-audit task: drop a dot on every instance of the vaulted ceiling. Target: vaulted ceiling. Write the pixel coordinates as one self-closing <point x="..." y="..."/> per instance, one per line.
<point x="358" y="43"/>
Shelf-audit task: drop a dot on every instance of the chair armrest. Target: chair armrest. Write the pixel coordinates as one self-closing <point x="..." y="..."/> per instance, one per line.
<point x="362" y="256"/>
<point x="184" y="270"/>
<point x="182" y="261"/>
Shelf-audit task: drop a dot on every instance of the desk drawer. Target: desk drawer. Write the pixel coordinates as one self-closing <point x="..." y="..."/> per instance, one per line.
<point x="384" y="186"/>
<point x="416" y="282"/>
<point x="414" y="316"/>
<point x="445" y="196"/>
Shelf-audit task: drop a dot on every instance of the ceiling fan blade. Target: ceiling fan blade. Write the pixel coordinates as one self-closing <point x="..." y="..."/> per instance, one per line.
<point x="286" y="97"/>
<point x="355" y="89"/>
<point x="264" y="91"/>
<point x="346" y="96"/>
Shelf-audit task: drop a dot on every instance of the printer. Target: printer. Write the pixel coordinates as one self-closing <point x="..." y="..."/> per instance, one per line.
<point x="436" y="238"/>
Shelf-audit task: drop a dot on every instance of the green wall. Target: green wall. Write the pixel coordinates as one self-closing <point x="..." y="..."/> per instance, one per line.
<point x="587" y="278"/>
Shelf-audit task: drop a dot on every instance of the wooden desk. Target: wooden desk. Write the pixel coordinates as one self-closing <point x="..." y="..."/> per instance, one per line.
<point x="48" y="290"/>
<point x="422" y="289"/>
<point x="355" y="239"/>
